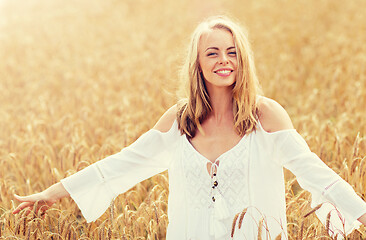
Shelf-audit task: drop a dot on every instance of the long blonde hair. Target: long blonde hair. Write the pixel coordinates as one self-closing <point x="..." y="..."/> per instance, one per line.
<point x="193" y="110"/>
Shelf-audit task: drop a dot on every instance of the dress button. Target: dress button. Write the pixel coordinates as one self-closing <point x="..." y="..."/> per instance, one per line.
<point x="216" y="183"/>
<point x="213" y="198"/>
<point x="214" y="174"/>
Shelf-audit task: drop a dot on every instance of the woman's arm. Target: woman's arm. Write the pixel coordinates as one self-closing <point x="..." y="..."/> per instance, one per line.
<point x="166" y="121"/>
<point x="45" y="198"/>
<point x="111" y="175"/>
<point x="306" y="166"/>
<point x="273" y="116"/>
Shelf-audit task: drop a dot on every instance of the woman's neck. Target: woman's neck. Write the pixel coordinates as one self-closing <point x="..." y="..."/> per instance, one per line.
<point x="221" y="103"/>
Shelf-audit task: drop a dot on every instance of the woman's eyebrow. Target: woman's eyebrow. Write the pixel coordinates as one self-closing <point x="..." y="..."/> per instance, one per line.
<point x="216" y="48"/>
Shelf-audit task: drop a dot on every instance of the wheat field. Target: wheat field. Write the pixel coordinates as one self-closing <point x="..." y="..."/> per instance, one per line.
<point x="80" y="80"/>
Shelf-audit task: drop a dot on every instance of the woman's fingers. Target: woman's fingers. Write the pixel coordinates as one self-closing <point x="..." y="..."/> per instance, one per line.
<point x="29" y="209"/>
<point x="26" y="202"/>
<point x="35" y="202"/>
<point x="29" y="198"/>
<point x="22" y="206"/>
<point x="41" y="206"/>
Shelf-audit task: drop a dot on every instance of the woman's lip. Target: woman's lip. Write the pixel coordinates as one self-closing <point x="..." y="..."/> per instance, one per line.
<point x="224" y="74"/>
<point x="224" y="69"/>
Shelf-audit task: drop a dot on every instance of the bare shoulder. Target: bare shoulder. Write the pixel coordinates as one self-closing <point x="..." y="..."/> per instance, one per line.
<point x="272" y="116"/>
<point x="166" y="121"/>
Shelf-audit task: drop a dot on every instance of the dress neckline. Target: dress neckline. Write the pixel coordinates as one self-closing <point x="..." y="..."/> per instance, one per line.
<point x="220" y="156"/>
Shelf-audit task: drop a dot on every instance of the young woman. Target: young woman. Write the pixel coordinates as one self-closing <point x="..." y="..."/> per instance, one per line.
<point x="225" y="147"/>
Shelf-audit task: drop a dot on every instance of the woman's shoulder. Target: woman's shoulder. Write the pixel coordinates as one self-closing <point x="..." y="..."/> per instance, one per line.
<point x="272" y="116"/>
<point x="166" y="121"/>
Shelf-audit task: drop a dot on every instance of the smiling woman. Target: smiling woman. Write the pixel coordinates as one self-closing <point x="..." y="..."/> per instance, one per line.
<point x="225" y="148"/>
<point x="217" y="58"/>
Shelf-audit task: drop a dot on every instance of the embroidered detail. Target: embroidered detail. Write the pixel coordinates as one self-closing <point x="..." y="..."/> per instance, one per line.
<point x="232" y="178"/>
<point x="104" y="182"/>
<point x="229" y="183"/>
<point x="198" y="184"/>
<point x="100" y="172"/>
<point x="330" y="185"/>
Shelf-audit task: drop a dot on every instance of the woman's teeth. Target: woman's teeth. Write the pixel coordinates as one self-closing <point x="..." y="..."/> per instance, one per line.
<point x="224" y="71"/>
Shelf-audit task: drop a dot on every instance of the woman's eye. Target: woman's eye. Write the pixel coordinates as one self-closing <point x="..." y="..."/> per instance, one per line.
<point x="211" y="54"/>
<point x="232" y="53"/>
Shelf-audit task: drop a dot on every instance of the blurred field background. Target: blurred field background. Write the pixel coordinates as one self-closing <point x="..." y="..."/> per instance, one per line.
<point x="79" y="80"/>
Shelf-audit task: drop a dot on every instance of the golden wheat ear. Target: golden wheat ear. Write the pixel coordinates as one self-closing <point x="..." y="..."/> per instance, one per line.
<point x="234" y="224"/>
<point x="260" y="226"/>
<point x="279" y="236"/>
<point x="242" y="217"/>
<point x="313" y="210"/>
<point x="300" y="233"/>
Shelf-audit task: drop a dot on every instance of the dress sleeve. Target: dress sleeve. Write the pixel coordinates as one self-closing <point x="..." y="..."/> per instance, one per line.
<point x="94" y="187"/>
<point x="326" y="187"/>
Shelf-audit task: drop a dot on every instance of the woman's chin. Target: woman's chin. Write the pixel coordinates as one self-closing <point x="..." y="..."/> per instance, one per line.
<point x="223" y="83"/>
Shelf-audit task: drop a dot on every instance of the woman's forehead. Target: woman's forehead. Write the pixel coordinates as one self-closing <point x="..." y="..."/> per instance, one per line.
<point x="219" y="38"/>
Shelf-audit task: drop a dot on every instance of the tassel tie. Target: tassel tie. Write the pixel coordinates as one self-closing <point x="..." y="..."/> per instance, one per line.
<point x="219" y="217"/>
<point x="220" y="213"/>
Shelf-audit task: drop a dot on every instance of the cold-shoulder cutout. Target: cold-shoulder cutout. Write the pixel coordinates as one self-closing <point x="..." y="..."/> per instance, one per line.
<point x="166" y="121"/>
<point x="272" y="116"/>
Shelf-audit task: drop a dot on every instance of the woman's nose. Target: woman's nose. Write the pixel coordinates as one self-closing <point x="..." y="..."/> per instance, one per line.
<point x="223" y="59"/>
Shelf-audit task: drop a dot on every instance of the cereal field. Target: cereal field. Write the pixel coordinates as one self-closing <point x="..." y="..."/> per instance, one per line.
<point x="79" y="80"/>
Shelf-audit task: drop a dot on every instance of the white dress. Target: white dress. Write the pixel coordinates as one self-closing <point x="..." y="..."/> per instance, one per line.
<point x="250" y="175"/>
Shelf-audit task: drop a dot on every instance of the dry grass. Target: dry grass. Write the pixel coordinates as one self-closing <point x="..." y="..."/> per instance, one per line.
<point x="79" y="80"/>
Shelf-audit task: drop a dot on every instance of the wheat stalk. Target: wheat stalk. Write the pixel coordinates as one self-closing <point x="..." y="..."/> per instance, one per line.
<point x="234" y="224"/>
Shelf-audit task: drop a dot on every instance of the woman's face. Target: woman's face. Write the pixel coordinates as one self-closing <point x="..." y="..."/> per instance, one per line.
<point x="217" y="58"/>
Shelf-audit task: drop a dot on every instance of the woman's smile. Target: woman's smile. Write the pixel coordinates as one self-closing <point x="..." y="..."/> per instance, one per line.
<point x="224" y="72"/>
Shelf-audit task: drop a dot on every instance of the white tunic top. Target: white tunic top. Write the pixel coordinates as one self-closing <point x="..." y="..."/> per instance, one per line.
<point x="250" y="175"/>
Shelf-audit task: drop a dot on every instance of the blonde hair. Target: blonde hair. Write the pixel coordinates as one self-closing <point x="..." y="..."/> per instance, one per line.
<point x="193" y="110"/>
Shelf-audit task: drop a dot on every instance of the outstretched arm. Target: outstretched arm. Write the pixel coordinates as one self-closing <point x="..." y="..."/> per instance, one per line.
<point x="113" y="175"/>
<point x="273" y="118"/>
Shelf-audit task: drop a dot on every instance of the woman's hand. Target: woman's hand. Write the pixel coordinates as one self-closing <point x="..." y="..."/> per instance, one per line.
<point x="362" y="219"/>
<point x="29" y="201"/>
<point x="43" y="199"/>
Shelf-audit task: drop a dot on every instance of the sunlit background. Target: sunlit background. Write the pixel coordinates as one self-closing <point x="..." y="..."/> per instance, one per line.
<point x="79" y="80"/>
